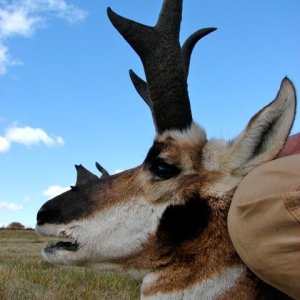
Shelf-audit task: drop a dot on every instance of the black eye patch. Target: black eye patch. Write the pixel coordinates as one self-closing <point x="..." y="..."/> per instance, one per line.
<point x="159" y="167"/>
<point x="154" y="152"/>
<point x="163" y="170"/>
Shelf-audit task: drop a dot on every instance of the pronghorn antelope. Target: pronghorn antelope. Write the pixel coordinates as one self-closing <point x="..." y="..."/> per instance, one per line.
<point x="164" y="221"/>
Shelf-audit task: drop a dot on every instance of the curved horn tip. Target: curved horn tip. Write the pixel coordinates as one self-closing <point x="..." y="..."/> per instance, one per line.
<point x="109" y="11"/>
<point x="197" y="35"/>
<point x="141" y="87"/>
<point x="131" y="73"/>
<point x="136" y="79"/>
<point x="206" y="30"/>
<point x="211" y="29"/>
<point x="114" y="17"/>
<point x="102" y="170"/>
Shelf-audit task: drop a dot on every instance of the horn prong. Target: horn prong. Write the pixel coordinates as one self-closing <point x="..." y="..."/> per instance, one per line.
<point x="84" y="176"/>
<point x="73" y="188"/>
<point x="141" y="87"/>
<point x="190" y="43"/>
<point x="102" y="170"/>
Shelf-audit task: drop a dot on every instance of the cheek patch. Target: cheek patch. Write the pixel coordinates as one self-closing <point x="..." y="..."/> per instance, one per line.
<point x="183" y="222"/>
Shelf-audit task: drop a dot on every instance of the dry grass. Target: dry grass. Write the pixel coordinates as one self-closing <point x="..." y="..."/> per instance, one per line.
<point x="25" y="275"/>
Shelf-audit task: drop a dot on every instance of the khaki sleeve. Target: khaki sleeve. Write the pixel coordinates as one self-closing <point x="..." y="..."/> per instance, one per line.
<point x="264" y="223"/>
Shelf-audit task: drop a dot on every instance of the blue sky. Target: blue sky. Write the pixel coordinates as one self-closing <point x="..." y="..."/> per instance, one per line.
<point x="66" y="98"/>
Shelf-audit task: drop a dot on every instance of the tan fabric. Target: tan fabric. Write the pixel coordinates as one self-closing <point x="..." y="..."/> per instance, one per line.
<point x="264" y="223"/>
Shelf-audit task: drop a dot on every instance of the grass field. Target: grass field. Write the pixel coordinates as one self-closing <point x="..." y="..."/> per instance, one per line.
<point x="24" y="275"/>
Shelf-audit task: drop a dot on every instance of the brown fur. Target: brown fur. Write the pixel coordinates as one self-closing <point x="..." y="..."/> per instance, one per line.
<point x="198" y="260"/>
<point x="208" y="173"/>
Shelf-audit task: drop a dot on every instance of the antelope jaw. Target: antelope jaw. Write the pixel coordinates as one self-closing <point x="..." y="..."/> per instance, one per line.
<point x="62" y="252"/>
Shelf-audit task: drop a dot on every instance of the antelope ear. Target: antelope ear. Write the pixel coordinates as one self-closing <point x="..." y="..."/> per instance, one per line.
<point x="267" y="131"/>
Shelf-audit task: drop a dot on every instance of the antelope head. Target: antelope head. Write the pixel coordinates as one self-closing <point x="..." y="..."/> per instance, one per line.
<point x="165" y="220"/>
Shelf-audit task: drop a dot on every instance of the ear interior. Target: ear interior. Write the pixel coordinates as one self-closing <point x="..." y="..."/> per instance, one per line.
<point x="267" y="131"/>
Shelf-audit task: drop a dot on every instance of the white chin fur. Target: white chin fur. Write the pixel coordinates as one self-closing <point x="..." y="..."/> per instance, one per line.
<point x="49" y="229"/>
<point x="109" y="235"/>
<point x="62" y="257"/>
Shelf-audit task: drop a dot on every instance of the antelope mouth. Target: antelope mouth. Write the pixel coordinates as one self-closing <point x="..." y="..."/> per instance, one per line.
<point x="67" y="244"/>
<point x="62" y="245"/>
<point x="64" y="251"/>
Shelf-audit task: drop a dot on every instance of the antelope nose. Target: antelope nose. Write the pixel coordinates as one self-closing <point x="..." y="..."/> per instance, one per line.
<point x="41" y="215"/>
<point x="48" y="213"/>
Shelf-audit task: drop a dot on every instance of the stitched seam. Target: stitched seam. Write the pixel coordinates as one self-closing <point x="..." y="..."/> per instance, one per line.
<point x="291" y="206"/>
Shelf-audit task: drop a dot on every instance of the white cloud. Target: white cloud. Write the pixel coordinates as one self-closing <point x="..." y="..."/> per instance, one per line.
<point x="24" y="17"/>
<point x="67" y="12"/>
<point x="10" y="206"/>
<point x="4" y="144"/>
<point x="28" y="136"/>
<point x="55" y="190"/>
<point x="5" y="59"/>
<point x="15" y="21"/>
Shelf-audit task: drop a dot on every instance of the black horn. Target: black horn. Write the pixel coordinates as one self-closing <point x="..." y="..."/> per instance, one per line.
<point x="102" y="170"/>
<point x="190" y="43"/>
<point x="161" y="55"/>
<point x="84" y="176"/>
<point x="141" y="86"/>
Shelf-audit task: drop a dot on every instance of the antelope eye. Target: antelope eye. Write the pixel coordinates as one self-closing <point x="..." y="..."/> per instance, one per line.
<point x="163" y="170"/>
